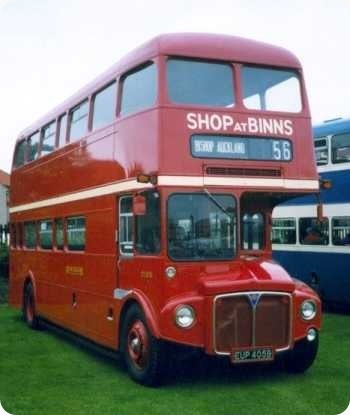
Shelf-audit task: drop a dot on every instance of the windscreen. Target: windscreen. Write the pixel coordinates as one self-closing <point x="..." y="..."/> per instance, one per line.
<point x="201" y="227"/>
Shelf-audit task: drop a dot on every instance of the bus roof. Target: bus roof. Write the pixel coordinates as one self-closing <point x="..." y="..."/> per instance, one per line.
<point x="197" y="45"/>
<point x="337" y="126"/>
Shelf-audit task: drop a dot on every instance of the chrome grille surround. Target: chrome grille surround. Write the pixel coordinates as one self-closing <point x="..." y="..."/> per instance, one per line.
<point x="246" y="294"/>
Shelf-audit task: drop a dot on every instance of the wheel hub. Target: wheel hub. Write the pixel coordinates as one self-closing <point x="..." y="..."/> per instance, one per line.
<point x="138" y="344"/>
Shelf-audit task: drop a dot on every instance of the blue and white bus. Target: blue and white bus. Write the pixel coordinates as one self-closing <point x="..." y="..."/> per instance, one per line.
<point x="319" y="252"/>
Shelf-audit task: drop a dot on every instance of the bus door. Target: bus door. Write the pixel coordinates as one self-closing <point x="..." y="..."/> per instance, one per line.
<point x="139" y="264"/>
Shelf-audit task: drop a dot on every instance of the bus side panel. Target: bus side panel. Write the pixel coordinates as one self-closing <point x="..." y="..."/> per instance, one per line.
<point x="332" y="270"/>
<point x="16" y="281"/>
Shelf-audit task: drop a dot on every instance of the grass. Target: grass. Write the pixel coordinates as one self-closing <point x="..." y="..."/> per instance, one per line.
<point x="3" y="282"/>
<point x="42" y="373"/>
<point x="3" y="290"/>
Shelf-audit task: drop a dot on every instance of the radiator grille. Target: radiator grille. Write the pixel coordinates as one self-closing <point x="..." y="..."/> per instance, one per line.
<point x="234" y="171"/>
<point x="237" y="324"/>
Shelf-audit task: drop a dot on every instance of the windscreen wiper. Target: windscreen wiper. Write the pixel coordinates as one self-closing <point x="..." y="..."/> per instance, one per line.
<point x="218" y="204"/>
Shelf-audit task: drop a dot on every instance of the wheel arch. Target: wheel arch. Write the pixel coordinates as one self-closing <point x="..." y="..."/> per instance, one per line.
<point x="140" y="300"/>
<point x="29" y="279"/>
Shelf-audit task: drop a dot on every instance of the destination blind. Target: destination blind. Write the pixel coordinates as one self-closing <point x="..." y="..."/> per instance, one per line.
<point x="236" y="147"/>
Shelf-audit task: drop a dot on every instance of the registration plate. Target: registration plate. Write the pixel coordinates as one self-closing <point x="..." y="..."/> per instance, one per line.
<point x="262" y="354"/>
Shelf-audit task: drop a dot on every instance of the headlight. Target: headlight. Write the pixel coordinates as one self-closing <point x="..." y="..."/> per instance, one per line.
<point x="184" y="316"/>
<point x="308" y="310"/>
<point x="170" y="272"/>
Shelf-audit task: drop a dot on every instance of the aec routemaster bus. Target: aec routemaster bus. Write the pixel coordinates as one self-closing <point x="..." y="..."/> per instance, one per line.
<point x="324" y="259"/>
<point x="141" y="206"/>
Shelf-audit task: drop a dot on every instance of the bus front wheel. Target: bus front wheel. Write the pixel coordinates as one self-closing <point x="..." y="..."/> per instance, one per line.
<point x="29" y="307"/>
<point x="142" y="353"/>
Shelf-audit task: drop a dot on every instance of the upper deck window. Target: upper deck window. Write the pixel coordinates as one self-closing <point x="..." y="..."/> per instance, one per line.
<point x="104" y="106"/>
<point x="271" y="89"/>
<point x="78" y="121"/>
<point x="20" y="153"/>
<point x="341" y="148"/>
<point x="321" y="151"/>
<point x="139" y="89"/>
<point x="62" y="130"/>
<point x="33" y="146"/>
<point x="48" y="138"/>
<point x="200" y="83"/>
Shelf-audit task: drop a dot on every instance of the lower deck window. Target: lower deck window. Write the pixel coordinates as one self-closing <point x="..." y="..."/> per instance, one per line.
<point x="284" y="231"/>
<point x="13" y="235"/>
<point x="45" y="234"/>
<point x="30" y="235"/>
<point x="125" y="225"/>
<point x="313" y="232"/>
<point x="76" y="230"/>
<point x="341" y="231"/>
<point x="59" y="233"/>
<point x="253" y="231"/>
<point x="147" y="227"/>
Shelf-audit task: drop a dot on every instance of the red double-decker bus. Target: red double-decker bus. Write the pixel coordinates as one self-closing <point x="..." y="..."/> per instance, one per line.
<point x="141" y="207"/>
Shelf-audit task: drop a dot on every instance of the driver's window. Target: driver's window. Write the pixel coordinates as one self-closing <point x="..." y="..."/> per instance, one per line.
<point x="125" y="225"/>
<point x="253" y="231"/>
<point x="147" y="227"/>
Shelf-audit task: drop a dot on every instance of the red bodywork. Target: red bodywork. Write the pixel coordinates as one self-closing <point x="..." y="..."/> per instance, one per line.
<point x="154" y="141"/>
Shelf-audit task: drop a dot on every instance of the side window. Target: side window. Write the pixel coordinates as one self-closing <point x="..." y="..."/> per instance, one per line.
<point x="341" y="231"/>
<point x="30" y="235"/>
<point x="313" y="232"/>
<point x="19" y="235"/>
<point x="48" y="138"/>
<point x="284" y="231"/>
<point x="125" y="225"/>
<point x="13" y="235"/>
<point x="76" y="230"/>
<point x="45" y="234"/>
<point x="147" y="227"/>
<point x="252" y="231"/>
<point x="78" y="121"/>
<point x="33" y="147"/>
<point x="321" y="151"/>
<point x="62" y="130"/>
<point x="139" y="89"/>
<point x="20" y="151"/>
<point x="104" y="106"/>
<point x="59" y="233"/>
<point x="341" y="148"/>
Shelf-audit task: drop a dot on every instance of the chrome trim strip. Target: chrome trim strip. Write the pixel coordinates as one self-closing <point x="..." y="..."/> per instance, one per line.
<point x="261" y="293"/>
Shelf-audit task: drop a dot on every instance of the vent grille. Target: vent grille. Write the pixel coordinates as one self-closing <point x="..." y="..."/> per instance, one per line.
<point x="234" y="171"/>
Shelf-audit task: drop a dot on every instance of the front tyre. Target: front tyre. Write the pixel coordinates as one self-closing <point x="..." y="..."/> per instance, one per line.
<point x="302" y="356"/>
<point x="29" y="308"/>
<point x="142" y="353"/>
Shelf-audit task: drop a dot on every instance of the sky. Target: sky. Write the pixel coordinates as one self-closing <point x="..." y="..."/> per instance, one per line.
<point x="50" y="48"/>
